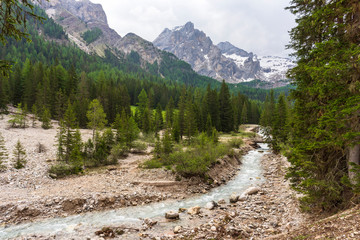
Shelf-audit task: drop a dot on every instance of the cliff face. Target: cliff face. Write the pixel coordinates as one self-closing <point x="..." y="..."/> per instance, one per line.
<point x="78" y="17"/>
<point x="194" y="47"/>
<point x="222" y="61"/>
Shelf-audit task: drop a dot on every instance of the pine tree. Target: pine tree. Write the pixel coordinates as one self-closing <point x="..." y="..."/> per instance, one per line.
<point x="167" y="143"/>
<point x="19" y="156"/>
<point x="69" y="124"/>
<point x="96" y="116"/>
<point x="244" y="114"/>
<point x="3" y="153"/>
<point x="144" y="112"/>
<point x="190" y="120"/>
<point x="46" y="119"/>
<point x="169" y="117"/>
<point x="35" y="113"/>
<point x="326" y="110"/>
<point x="158" y="119"/>
<point x="209" y="126"/>
<point x="226" y="111"/>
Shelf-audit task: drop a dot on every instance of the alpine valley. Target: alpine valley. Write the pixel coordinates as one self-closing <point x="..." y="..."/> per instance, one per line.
<point x="86" y="25"/>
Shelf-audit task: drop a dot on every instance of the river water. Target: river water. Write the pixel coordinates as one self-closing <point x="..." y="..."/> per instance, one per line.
<point x="250" y="174"/>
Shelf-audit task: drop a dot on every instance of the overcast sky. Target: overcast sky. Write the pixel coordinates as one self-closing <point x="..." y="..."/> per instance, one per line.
<point x="259" y="26"/>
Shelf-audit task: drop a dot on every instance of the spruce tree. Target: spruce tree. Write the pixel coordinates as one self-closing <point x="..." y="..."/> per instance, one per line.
<point x="244" y="114"/>
<point x="46" y="119"/>
<point x="325" y="137"/>
<point x="3" y="153"/>
<point x="96" y="117"/>
<point x="169" y="117"/>
<point x="19" y="156"/>
<point x="226" y="110"/>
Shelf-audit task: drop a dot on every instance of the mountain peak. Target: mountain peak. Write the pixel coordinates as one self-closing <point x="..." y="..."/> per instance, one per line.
<point x="189" y="26"/>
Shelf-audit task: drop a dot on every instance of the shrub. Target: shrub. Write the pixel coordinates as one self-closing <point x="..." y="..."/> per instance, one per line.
<point x="118" y="151"/>
<point x="62" y="170"/>
<point x="139" y="147"/>
<point x="152" y="163"/>
<point x="236" y="142"/>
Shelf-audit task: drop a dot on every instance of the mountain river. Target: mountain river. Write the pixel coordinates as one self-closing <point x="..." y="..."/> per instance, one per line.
<point x="250" y="174"/>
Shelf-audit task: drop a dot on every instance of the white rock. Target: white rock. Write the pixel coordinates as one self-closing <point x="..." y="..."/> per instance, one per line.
<point x="172" y="215"/>
<point x="194" y="210"/>
<point x="177" y="229"/>
<point x="251" y="191"/>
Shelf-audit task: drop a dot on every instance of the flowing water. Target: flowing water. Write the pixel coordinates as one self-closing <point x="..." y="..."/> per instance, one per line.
<point x="250" y="174"/>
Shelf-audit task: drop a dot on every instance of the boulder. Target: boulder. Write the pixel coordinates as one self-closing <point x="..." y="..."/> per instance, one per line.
<point x="172" y="215"/>
<point x="194" y="210"/>
<point x="211" y="205"/>
<point x="251" y="191"/>
<point x="177" y="229"/>
<point x="234" y="198"/>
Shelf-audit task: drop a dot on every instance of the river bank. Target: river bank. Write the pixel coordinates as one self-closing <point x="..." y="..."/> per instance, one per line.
<point x="30" y="194"/>
<point x="270" y="211"/>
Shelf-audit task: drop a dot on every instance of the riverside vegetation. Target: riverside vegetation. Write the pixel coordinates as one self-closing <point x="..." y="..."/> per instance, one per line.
<point x="317" y="127"/>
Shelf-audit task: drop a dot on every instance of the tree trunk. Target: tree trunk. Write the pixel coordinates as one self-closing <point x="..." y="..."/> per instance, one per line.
<point x="354" y="157"/>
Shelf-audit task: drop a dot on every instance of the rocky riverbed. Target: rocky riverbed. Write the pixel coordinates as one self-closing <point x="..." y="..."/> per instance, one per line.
<point x="30" y="194"/>
<point x="263" y="212"/>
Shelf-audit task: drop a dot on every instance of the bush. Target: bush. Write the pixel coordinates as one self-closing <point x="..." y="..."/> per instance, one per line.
<point x="197" y="161"/>
<point x="139" y="147"/>
<point x="236" y="142"/>
<point x="118" y="151"/>
<point x="62" y="170"/>
<point x="152" y="163"/>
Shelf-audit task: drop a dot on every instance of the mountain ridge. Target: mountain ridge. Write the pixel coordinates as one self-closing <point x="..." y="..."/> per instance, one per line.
<point x="224" y="60"/>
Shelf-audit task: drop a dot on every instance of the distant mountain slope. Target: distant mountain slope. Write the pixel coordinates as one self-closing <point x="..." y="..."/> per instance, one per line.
<point x="222" y="61"/>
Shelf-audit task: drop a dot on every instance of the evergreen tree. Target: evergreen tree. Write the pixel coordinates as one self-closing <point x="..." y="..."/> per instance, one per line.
<point x="3" y="153"/>
<point x="209" y="126"/>
<point x="46" y="119"/>
<point x="226" y="110"/>
<point x="280" y="129"/>
<point x="167" y="143"/>
<point x="35" y="113"/>
<point x="19" y="156"/>
<point x="144" y="112"/>
<point x="190" y="120"/>
<point x="326" y="110"/>
<point x="96" y="116"/>
<point x="67" y="127"/>
<point x="169" y="118"/>
<point x="158" y="119"/>
<point x="244" y="114"/>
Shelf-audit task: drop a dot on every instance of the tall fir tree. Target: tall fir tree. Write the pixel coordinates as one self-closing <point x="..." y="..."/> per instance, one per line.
<point x="226" y="110"/>
<point x="19" y="155"/>
<point x="3" y="153"/>
<point x="326" y="135"/>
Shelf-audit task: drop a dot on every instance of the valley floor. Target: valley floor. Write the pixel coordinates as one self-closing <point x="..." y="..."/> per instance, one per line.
<point x="29" y="194"/>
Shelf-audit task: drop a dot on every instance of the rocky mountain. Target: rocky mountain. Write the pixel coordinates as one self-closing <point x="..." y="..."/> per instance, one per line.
<point x="80" y="17"/>
<point x="222" y="61"/>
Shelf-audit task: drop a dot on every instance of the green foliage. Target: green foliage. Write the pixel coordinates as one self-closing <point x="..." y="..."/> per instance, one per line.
<point x="194" y="161"/>
<point x="92" y="35"/>
<point x="62" y="170"/>
<point x="96" y="117"/>
<point x="139" y="147"/>
<point x="45" y="119"/>
<point x="325" y="121"/>
<point x="3" y="153"/>
<point x="14" y="16"/>
<point x="19" y="155"/>
<point x="17" y="120"/>
<point x="152" y="163"/>
<point x="236" y="142"/>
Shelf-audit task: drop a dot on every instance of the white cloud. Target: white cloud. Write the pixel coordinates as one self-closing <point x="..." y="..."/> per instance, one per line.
<point x="260" y="26"/>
